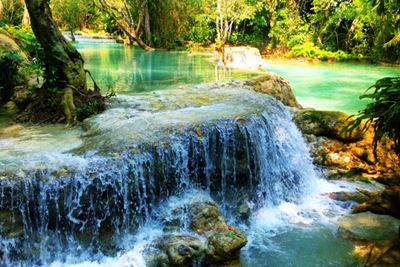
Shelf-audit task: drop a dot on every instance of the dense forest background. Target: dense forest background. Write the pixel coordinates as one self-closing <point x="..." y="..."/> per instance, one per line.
<point x="322" y="29"/>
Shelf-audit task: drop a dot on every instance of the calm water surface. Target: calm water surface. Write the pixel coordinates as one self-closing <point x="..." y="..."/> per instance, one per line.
<point x="326" y="86"/>
<point x="331" y="86"/>
<point x="131" y="70"/>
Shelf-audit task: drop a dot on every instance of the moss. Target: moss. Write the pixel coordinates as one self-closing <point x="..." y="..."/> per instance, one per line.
<point x="68" y="105"/>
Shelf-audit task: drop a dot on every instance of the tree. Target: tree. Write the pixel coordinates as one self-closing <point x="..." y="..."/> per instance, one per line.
<point x="229" y="12"/>
<point x="25" y="18"/>
<point x="1" y="9"/>
<point x="71" y="13"/>
<point x="121" y="11"/>
<point x="11" y="11"/>
<point x="64" y="95"/>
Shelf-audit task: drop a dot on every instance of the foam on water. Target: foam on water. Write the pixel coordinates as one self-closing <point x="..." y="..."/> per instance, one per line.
<point x="99" y="203"/>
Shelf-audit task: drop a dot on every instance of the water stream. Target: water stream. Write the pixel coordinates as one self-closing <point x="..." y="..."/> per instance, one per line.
<point x="93" y="195"/>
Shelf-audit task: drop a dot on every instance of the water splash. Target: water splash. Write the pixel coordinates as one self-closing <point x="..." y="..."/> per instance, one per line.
<point x="240" y="143"/>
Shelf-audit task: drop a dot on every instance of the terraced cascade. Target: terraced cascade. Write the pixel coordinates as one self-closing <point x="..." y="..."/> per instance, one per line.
<point x="174" y="173"/>
<point x="88" y="189"/>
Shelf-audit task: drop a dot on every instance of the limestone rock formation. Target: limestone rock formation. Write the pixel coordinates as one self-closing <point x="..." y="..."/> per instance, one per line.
<point x="369" y="226"/>
<point x="343" y="153"/>
<point x="213" y="240"/>
<point x="387" y="202"/>
<point x="376" y="238"/>
<point x="276" y="86"/>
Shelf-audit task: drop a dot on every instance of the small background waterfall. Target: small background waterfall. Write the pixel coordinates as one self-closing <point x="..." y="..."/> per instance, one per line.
<point x="94" y="202"/>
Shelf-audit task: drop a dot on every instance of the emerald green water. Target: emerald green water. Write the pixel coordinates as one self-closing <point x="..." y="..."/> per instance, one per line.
<point x="331" y="86"/>
<point x="326" y="86"/>
<point x="131" y="70"/>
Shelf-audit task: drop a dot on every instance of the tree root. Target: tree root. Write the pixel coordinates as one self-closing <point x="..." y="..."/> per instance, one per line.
<point x="68" y="105"/>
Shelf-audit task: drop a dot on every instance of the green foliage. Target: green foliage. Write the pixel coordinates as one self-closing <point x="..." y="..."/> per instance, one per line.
<point x="12" y="11"/>
<point x="309" y="50"/>
<point x="383" y="113"/>
<point x="26" y="40"/>
<point x="10" y="63"/>
<point x="70" y="14"/>
<point x="338" y="29"/>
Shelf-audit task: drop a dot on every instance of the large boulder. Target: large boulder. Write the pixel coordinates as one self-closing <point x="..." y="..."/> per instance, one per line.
<point x="213" y="240"/>
<point x="386" y="202"/>
<point x="176" y="250"/>
<point x="276" y="86"/>
<point x="375" y="237"/>
<point x="325" y="123"/>
<point x="369" y="226"/>
<point x="342" y="153"/>
<point x="8" y="44"/>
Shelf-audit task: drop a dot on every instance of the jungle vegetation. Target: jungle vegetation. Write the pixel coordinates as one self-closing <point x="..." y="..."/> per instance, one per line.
<point x="332" y="30"/>
<point x="322" y="29"/>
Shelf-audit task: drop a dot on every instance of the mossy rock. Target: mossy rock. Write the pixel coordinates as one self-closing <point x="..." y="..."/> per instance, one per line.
<point x="369" y="226"/>
<point x="330" y="124"/>
<point x="276" y="86"/>
<point x="8" y="44"/>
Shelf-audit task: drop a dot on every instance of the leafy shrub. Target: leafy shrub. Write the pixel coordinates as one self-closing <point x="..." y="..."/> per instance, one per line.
<point x="10" y="63"/>
<point x="383" y="114"/>
<point x="309" y="50"/>
<point x="26" y="40"/>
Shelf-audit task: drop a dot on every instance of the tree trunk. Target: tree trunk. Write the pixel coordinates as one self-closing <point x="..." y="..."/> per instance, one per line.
<point x="72" y="35"/>
<point x="1" y="9"/>
<point x="25" y="19"/>
<point x="126" y="24"/>
<point x="65" y="88"/>
<point x="147" y="24"/>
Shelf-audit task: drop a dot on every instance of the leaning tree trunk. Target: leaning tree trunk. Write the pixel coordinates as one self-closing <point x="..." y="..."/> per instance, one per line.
<point x="65" y="90"/>
<point x="1" y="9"/>
<point x="25" y="18"/>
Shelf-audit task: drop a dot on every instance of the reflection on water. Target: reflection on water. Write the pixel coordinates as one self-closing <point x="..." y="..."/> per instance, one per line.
<point x="326" y="86"/>
<point x="331" y="86"/>
<point x="130" y="70"/>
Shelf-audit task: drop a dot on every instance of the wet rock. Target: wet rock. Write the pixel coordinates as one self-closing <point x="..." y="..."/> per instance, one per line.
<point x="11" y="224"/>
<point x="224" y="244"/>
<point x="343" y="154"/>
<point x="369" y="226"/>
<point x="276" y="86"/>
<point x="348" y="196"/>
<point x="176" y="250"/>
<point x="378" y="253"/>
<point x="387" y="202"/>
<point x="224" y="241"/>
<point x="205" y="216"/>
<point x="213" y="240"/>
<point x="325" y="123"/>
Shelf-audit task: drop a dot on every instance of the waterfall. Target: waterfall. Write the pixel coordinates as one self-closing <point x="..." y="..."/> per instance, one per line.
<point x="54" y="214"/>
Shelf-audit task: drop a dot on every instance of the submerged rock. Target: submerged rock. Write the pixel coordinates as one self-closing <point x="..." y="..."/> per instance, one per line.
<point x="212" y="239"/>
<point x="376" y="238"/>
<point x="369" y="226"/>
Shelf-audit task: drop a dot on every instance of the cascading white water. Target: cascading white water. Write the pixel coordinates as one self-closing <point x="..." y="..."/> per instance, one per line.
<point x="85" y="213"/>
